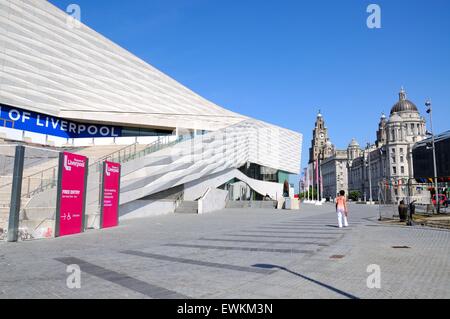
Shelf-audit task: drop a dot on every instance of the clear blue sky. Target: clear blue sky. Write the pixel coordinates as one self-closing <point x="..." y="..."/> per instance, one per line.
<point x="280" y="61"/>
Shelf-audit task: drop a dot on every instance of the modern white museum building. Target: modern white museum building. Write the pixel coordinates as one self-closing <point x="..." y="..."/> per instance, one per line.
<point x="65" y="86"/>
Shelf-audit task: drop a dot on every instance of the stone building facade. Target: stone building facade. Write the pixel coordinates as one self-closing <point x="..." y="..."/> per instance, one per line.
<point x="321" y="148"/>
<point x="334" y="174"/>
<point x="387" y="162"/>
<point x="390" y="157"/>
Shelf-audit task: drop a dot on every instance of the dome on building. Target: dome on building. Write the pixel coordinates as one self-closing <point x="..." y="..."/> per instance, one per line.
<point x="404" y="105"/>
<point x="353" y="143"/>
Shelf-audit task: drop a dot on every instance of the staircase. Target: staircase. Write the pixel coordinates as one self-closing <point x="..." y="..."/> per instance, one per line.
<point x="269" y="204"/>
<point x="40" y="179"/>
<point x="187" y="207"/>
<point x="43" y="176"/>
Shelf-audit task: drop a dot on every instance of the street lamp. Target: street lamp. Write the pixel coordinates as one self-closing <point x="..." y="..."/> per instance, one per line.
<point x="370" y="175"/>
<point x="383" y="160"/>
<point x="430" y="111"/>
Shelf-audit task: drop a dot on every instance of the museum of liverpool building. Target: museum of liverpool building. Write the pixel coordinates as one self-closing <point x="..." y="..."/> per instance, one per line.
<point x="64" y="86"/>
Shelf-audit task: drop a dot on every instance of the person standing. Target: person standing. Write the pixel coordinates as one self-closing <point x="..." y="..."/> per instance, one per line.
<point x="342" y="210"/>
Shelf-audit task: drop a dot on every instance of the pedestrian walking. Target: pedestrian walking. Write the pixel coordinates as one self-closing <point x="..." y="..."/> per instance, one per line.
<point x="342" y="210"/>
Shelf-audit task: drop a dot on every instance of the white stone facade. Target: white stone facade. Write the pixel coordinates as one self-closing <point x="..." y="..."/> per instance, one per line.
<point x="335" y="174"/>
<point x="391" y="163"/>
<point x="390" y="157"/>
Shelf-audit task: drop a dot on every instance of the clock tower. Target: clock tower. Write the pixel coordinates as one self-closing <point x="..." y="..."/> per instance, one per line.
<point x="321" y="146"/>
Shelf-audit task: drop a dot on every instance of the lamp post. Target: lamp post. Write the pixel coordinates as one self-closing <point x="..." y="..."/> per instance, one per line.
<point x="383" y="160"/>
<point x="370" y="175"/>
<point x="430" y="111"/>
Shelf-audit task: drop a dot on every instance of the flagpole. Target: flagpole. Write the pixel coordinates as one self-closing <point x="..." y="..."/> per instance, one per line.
<point x="318" y="182"/>
<point x="317" y="179"/>
<point x="321" y="182"/>
<point x="311" y="182"/>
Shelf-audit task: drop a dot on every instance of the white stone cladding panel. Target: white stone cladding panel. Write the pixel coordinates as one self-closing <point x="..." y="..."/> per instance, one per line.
<point x="76" y="73"/>
<point x="216" y="152"/>
<point x="51" y="68"/>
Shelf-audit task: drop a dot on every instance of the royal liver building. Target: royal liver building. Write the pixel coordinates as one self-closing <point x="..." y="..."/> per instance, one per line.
<point x="390" y="158"/>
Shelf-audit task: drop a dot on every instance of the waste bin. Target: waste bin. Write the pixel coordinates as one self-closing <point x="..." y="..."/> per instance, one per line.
<point x="287" y="203"/>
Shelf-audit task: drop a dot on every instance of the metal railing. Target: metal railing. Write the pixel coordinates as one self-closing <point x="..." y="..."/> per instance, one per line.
<point x="132" y="152"/>
<point x="179" y="200"/>
<point x="47" y="178"/>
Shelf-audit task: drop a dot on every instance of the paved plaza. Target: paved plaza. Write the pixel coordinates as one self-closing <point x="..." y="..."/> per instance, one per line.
<point x="235" y="253"/>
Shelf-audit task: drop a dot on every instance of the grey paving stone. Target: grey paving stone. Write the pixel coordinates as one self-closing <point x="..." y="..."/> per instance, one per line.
<point x="125" y="281"/>
<point x="180" y="265"/>
<point x="268" y="250"/>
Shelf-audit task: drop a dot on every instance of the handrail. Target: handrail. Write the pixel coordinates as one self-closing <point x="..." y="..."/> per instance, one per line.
<point x="54" y="168"/>
<point x="179" y="199"/>
<point x="97" y="163"/>
<point x="150" y="148"/>
<point x="205" y="193"/>
<point x="104" y="157"/>
<point x="41" y="173"/>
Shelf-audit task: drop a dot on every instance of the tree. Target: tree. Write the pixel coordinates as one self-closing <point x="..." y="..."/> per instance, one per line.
<point x="354" y="195"/>
<point x="312" y="190"/>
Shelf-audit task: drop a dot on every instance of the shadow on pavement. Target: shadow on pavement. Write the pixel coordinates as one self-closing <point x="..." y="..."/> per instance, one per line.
<point x="343" y="293"/>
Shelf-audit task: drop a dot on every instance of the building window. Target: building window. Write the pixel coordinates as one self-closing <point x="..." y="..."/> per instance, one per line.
<point x="402" y="159"/>
<point x="394" y="170"/>
<point x="393" y="159"/>
<point x="403" y="170"/>
<point x="401" y="150"/>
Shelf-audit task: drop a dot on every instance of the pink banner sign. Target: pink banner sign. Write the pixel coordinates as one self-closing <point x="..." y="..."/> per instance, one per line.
<point x="111" y="192"/>
<point x="72" y="194"/>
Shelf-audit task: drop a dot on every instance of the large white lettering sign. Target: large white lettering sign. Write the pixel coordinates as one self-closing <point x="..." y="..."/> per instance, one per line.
<point x="39" y="123"/>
